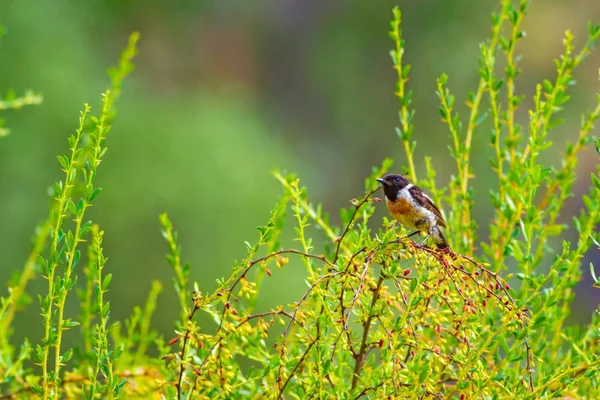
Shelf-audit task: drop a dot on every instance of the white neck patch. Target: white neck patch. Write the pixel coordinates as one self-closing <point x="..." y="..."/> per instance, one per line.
<point x="404" y="191"/>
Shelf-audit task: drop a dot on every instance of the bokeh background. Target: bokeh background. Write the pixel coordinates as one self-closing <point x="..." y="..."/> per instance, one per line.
<point x="224" y="92"/>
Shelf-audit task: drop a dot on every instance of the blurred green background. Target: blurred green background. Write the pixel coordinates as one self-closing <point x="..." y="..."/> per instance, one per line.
<point x="224" y="92"/>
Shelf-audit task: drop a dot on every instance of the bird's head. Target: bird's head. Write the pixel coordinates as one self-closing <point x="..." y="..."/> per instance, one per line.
<point x="392" y="183"/>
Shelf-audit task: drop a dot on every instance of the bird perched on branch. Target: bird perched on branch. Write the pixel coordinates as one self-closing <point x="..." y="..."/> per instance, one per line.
<point x="414" y="209"/>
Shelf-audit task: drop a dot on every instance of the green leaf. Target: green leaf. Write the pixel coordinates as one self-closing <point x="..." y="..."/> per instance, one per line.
<point x="94" y="194"/>
<point x="80" y="205"/>
<point x="540" y="321"/>
<point x="119" y="387"/>
<point x="37" y="389"/>
<point x="67" y="356"/>
<point x="554" y="230"/>
<point x="85" y="228"/>
<point x="70" y="323"/>
<point x="76" y="258"/>
<point x="106" y="281"/>
<point x="413" y="285"/>
<point x="105" y="370"/>
<point x="63" y="161"/>
<point x="595" y="181"/>
<point x="517" y="252"/>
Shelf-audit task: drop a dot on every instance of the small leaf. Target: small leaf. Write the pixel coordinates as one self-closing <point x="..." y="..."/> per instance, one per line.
<point x="593" y="273"/>
<point x="63" y="161"/>
<point x="106" y="281"/>
<point x="595" y="181"/>
<point x="67" y="356"/>
<point x="76" y="258"/>
<point x="70" y="323"/>
<point x="85" y="227"/>
<point x="71" y="207"/>
<point x="413" y="285"/>
<point x="554" y="230"/>
<point x="80" y="205"/>
<point x="94" y="194"/>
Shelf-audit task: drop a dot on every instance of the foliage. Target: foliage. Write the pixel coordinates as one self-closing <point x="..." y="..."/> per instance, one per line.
<point x="381" y="315"/>
<point x="13" y="102"/>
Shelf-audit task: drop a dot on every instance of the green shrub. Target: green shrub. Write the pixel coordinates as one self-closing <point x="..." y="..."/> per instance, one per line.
<point x="381" y="316"/>
<point x="11" y="101"/>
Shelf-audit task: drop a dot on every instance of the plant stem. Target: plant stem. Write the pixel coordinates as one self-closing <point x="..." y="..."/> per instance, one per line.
<point x="362" y="352"/>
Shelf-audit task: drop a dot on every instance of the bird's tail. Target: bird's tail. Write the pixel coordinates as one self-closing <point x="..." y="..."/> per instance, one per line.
<point x="439" y="238"/>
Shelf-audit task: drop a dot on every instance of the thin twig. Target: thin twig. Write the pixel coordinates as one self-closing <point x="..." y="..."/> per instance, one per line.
<point x="356" y="208"/>
<point x="342" y="318"/>
<point x="352" y="303"/>
<point x="373" y="388"/>
<point x="531" y="387"/>
<point x="282" y="389"/>
<point x="501" y="285"/>
<point x="366" y="327"/>
<point x="310" y="289"/>
<point x="354" y="256"/>
<point x="266" y="314"/>
<point x="261" y="259"/>
<point x="243" y="274"/>
<point x="293" y="317"/>
<point x="183" y="348"/>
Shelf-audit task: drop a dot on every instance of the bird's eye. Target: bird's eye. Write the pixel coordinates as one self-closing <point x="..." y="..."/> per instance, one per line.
<point x="397" y="179"/>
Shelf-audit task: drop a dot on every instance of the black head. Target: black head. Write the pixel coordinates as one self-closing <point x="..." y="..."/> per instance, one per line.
<point x="392" y="183"/>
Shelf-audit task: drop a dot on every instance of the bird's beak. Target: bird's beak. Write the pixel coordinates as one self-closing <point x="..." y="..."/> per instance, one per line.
<point x="382" y="181"/>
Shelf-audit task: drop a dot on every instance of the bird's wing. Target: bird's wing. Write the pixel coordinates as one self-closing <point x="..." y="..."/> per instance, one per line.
<point x="426" y="202"/>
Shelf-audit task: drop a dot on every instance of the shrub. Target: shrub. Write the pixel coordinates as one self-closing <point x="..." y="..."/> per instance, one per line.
<point x="13" y="102"/>
<point x="381" y="316"/>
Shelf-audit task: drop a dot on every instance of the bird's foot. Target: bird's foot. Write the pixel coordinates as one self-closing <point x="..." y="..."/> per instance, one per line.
<point x="425" y="239"/>
<point x="412" y="234"/>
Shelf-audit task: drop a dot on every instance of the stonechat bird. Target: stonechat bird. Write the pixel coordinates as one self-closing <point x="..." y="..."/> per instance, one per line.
<point x="413" y="209"/>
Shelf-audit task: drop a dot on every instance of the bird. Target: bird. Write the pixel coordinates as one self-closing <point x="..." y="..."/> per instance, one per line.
<point x="409" y="205"/>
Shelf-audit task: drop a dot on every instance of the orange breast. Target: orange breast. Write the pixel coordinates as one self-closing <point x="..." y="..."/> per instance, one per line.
<point x="399" y="207"/>
<point x="404" y="211"/>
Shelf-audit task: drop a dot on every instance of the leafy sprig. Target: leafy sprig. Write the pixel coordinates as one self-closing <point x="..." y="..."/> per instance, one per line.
<point x="381" y="315"/>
